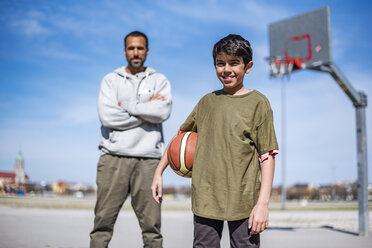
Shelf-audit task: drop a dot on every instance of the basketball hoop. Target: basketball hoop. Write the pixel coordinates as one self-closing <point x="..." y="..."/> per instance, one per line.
<point x="280" y="66"/>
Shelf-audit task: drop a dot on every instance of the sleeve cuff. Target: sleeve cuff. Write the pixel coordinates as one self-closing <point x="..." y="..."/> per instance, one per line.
<point x="128" y="106"/>
<point x="266" y="155"/>
<point x="179" y="131"/>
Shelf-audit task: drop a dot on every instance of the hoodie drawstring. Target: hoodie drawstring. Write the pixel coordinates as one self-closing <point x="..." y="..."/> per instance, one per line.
<point x="143" y="83"/>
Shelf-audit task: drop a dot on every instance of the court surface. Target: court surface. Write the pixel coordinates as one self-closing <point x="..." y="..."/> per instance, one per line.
<point x="31" y="228"/>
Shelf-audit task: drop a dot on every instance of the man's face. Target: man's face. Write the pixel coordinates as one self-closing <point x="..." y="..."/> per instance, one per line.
<point x="230" y="70"/>
<point x="136" y="52"/>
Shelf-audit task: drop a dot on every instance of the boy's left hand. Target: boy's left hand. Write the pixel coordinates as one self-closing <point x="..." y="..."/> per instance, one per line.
<point x="259" y="218"/>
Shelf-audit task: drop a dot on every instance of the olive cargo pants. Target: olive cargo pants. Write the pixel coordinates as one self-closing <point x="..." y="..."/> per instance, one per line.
<point x="117" y="177"/>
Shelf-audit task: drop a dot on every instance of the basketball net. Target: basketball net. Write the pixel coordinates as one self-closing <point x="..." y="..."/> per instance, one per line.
<point x="281" y="67"/>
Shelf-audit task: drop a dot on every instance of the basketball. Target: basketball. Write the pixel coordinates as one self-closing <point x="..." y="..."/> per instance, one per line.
<point x="181" y="153"/>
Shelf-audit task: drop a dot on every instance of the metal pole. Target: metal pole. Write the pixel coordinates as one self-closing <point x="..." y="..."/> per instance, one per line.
<point x="283" y="147"/>
<point x="362" y="167"/>
<point x="359" y="100"/>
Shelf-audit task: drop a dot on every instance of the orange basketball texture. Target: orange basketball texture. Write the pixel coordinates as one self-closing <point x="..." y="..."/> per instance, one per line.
<point x="181" y="152"/>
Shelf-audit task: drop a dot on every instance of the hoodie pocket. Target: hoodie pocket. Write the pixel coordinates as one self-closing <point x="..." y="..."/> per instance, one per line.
<point x="160" y="146"/>
<point x="145" y="95"/>
<point x="113" y="136"/>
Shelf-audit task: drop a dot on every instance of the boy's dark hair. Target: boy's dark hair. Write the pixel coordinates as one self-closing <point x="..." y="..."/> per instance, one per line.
<point x="234" y="45"/>
<point x="136" y="34"/>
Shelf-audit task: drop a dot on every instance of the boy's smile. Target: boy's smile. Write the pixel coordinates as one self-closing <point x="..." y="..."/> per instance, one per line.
<point x="230" y="71"/>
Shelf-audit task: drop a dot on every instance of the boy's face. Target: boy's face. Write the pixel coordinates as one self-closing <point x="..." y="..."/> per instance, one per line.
<point x="230" y="70"/>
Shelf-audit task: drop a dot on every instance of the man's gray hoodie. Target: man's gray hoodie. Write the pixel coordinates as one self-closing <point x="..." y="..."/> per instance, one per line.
<point x="131" y="123"/>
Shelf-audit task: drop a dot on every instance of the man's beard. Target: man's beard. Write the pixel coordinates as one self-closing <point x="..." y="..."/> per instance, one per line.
<point x="136" y="65"/>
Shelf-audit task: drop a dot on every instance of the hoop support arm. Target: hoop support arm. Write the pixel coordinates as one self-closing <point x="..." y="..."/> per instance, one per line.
<point x="359" y="99"/>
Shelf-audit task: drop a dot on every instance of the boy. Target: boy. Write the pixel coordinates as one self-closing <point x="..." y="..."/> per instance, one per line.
<point x="235" y="132"/>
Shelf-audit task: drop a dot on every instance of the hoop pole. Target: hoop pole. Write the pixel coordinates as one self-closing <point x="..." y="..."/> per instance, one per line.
<point x="283" y="148"/>
<point x="362" y="170"/>
<point x="359" y="100"/>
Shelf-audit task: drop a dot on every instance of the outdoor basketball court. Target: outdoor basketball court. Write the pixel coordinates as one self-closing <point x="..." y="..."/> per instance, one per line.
<point x="42" y="228"/>
<point x="301" y="42"/>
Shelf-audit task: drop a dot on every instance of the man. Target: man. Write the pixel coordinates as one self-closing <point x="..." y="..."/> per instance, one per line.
<point x="132" y="104"/>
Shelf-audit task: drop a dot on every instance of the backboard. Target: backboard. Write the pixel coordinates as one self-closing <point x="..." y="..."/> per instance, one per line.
<point x="300" y="42"/>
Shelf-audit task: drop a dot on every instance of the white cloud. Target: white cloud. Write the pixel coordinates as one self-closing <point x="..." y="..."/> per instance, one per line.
<point x="30" y="27"/>
<point x="62" y="53"/>
<point x="255" y="16"/>
<point x="30" y="23"/>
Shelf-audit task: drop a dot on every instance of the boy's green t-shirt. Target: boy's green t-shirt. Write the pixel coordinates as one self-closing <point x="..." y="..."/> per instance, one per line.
<point x="232" y="132"/>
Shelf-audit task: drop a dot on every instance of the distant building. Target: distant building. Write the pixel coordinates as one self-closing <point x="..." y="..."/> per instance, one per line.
<point x="19" y="170"/>
<point x="13" y="181"/>
<point x="7" y="178"/>
<point x="59" y="188"/>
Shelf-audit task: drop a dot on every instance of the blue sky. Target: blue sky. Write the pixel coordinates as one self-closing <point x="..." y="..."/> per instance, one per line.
<point x="53" y="55"/>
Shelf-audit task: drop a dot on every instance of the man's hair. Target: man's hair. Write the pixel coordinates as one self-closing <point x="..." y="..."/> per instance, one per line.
<point x="234" y="45"/>
<point x="136" y="34"/>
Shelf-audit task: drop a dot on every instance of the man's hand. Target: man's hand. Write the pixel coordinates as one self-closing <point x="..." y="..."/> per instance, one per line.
<point x="157" y="188"/>
<point x="259" y="218"/>
<point x="158" y="97"/>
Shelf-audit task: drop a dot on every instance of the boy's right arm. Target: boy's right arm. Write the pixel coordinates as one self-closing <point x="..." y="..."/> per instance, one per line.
<point x="157" y="182"/>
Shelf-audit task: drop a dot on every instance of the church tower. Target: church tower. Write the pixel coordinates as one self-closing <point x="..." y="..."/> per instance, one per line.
<point x="19" y="169"/>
